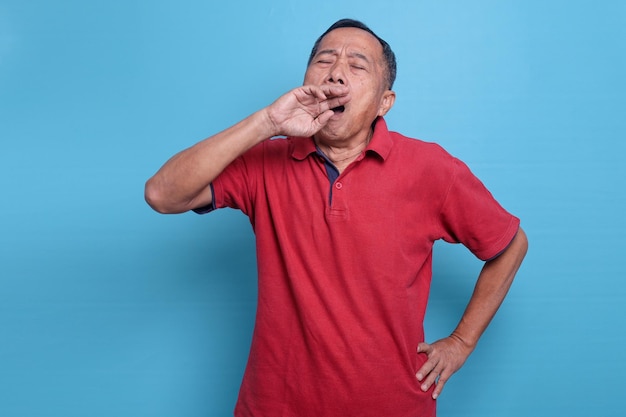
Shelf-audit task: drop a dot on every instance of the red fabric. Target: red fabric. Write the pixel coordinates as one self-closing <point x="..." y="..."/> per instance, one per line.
<point x="343" y="287"/>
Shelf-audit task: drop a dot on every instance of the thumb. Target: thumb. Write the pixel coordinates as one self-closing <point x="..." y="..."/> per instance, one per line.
<point x="423" y="347"/>
<point x="323" y="118"/>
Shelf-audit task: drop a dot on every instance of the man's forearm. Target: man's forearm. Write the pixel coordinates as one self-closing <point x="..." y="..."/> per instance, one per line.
<point x="493" y="283"/>
<point x="182" y="183"/>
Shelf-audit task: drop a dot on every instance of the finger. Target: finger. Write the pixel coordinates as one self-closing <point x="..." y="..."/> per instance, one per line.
<point x="431" y="379"/>
<point x="428" y="365"/>
<point x="313" y="91"/>
<point x="443" y="378"/>
<point x="334" y="90"/>
<point x="423" y="348"/>
<point x="426" y="370"/>
<point x="323" y="118"/>
<point x="430" y="370"/>
<point x="335" y="102"/>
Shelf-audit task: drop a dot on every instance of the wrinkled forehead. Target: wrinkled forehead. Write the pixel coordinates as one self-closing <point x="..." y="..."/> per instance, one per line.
<point x="352" y="39"/>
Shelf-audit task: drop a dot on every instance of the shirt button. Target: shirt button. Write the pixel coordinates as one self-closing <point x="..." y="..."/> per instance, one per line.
<point x="338" y="185"/>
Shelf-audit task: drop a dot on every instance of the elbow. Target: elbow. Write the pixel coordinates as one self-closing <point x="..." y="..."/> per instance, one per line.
<point x="161" y="200"/>
<point x="155" y="197"/>
<point x="516" y="252"/>
<point x="523" y="242"/>
<point x="517" y="249"/>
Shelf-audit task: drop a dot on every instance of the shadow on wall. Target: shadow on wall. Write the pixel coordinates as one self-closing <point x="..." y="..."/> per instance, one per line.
<point x="205" y="270"/>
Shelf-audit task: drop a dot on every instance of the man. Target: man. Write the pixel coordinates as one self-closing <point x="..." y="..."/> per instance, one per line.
<point x="345" y="215"/>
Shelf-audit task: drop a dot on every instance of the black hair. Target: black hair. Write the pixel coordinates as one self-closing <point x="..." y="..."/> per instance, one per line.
<point x="388" y="55"/>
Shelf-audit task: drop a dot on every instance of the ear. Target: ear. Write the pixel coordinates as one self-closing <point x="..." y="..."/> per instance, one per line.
<point x="386" y="103"/>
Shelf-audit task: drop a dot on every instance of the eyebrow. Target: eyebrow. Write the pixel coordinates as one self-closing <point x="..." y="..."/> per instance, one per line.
<point x="350" y="54"/>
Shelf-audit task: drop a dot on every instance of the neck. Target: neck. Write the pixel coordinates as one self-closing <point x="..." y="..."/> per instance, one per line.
<point x="342" y="155"/>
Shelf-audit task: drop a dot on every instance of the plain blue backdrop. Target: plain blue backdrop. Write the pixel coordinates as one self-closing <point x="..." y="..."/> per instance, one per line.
<point x="109" y="309"/>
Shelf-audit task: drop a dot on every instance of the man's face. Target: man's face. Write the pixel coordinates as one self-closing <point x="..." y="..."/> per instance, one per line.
<point x="351" y="57"/>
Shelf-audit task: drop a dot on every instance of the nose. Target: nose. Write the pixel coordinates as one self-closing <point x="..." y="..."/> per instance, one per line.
<point x="336" y="80"/>
<point x="336" y="74"/>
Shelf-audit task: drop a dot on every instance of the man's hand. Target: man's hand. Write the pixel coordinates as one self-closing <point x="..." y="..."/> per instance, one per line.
<point x="445" y="357"/>
<point x="305" y="110"/>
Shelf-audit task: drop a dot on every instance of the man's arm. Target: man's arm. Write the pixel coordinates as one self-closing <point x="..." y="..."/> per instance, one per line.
<point x="447" y="355"/>
<point x="183" y="182"/>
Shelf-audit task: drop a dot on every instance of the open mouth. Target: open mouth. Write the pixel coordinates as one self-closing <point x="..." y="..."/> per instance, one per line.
<point x="339" y="109"/>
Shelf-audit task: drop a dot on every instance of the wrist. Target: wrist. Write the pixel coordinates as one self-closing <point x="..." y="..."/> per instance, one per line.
<point x="268" y="126"/>
<point x="468" y="343"/>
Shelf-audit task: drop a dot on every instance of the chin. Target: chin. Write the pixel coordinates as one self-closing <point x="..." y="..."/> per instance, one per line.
<point x="326" y="134"/>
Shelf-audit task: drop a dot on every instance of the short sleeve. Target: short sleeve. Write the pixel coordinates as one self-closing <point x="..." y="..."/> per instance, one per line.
<point x="470" y="215"/>
<point x="208" y="208"/>
<point x="235" y="187"/>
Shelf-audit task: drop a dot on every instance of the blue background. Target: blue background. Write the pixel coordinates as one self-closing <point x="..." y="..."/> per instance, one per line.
<point x="109" y="309"/>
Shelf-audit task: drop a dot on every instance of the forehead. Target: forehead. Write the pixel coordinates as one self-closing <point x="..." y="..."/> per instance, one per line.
<point x="352" y="39"/>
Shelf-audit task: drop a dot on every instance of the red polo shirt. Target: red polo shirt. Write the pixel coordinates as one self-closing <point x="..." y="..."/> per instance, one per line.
<point x="344" y="281"/>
